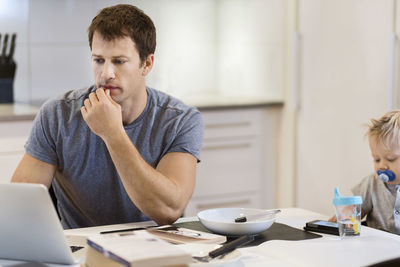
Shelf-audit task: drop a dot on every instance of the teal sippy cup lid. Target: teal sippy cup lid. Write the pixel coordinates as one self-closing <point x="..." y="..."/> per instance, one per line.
<point x="338" y="200"/>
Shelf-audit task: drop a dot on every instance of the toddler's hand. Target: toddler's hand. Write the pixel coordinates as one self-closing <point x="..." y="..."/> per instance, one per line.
<point x="332" y="219"/>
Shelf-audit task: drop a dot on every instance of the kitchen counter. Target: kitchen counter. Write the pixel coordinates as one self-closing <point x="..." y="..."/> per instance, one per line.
<point x="19" y="111"/>
<point x="218" y="102"/>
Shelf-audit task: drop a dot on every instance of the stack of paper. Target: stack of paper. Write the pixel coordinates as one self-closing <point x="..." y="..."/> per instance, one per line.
<point x="180" y="235"/>
<point x="137" y="248"/>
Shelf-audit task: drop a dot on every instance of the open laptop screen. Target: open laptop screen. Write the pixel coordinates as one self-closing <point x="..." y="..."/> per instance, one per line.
<point x="29" y="226"/>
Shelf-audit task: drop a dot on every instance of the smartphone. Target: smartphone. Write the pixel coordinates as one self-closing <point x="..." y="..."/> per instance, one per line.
<point x="322" y="226"/>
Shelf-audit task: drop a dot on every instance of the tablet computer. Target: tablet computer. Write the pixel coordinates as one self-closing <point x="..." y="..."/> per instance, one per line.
<point x="322" y="226"/>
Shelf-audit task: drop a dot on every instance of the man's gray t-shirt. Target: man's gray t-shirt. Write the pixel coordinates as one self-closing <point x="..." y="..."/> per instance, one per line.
<point x="381" y="203"/>
<point x="88" y="188"/>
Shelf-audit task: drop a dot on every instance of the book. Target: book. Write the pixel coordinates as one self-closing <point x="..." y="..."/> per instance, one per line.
<point x="181" y="235"/>
<point x="97" y="259"/>
<point x="136" y="248"/>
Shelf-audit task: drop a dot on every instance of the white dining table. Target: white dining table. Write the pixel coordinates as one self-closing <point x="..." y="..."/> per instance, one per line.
<point x="370" y="247"/>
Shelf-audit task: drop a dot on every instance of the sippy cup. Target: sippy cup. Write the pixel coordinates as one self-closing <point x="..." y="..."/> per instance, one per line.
<point x="348" y="214"/>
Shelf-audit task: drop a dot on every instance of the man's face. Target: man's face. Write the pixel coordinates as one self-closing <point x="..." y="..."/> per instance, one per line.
<point x="117" y="67"/>
<point x="386" y="158"/>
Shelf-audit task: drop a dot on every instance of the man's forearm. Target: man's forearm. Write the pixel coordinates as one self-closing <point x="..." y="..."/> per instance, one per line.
<point x="32" y="170"/>
<point x="161" y="194"/>
<point x="158" y="196"/>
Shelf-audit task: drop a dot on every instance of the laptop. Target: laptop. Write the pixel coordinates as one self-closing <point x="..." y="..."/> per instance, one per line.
<point x="30" y="229"/>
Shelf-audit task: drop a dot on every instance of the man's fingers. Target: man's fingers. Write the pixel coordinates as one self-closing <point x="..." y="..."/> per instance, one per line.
<point x="87" y="104"/>
<point x="83" y="112"/>
<point x="101" y="94"/>
<point x="108" y="95"/>
<point x="93" y="98"/>
<point x="104" y="94"/>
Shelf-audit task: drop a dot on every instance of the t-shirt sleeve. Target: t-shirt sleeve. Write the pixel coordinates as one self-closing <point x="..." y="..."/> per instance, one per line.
<point x="41" y="142"/>
<point x="189" y="137"/>
<point x="364" y="189"/>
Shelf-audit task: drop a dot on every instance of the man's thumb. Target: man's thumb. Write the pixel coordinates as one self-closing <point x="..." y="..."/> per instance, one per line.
<point x="109" y="96"/>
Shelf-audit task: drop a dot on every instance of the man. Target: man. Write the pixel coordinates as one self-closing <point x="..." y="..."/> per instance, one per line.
<point x="118" y="151"/>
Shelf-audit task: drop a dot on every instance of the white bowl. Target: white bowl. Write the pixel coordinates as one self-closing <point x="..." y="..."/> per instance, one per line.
<point x="222" y="221"/>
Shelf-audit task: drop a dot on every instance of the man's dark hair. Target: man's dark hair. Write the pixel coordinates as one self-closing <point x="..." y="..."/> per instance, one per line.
<point x="125" y="20"/>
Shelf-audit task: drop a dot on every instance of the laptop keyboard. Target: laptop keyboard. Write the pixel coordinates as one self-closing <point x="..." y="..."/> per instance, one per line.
<point x="75" y="248"/>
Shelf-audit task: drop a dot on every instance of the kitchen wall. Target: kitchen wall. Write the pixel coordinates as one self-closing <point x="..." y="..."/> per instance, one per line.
<point x="343" y="70"/>
<point x="205" y="47"/>
<point x="333" y="62"/>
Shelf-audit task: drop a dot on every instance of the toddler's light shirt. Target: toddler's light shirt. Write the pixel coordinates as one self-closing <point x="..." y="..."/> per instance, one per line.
<point x="381" y="203"/>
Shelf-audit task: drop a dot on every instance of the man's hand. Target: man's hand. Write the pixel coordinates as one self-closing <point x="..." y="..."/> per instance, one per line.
<point x="102" y="114"/>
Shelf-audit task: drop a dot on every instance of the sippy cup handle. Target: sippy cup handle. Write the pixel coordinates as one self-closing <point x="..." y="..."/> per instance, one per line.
<point x="386" y="175"/>
<point x="337" y="193"/>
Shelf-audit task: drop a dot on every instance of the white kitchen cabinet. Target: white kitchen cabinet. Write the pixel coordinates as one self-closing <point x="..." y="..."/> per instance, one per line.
<point x="238" y="158"/>
<point x="243" y="200"/>
<point x="13" y="136"/>
<point x="237" y="167"/>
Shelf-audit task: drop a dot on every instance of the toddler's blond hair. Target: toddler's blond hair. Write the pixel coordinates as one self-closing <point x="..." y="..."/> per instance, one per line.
<point x="386" y="129"/>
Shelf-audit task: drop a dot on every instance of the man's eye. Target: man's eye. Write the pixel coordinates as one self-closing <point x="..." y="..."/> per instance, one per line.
<point x="377" y="160"/>
<point x="98" y="60"/>
<point x="119" y="62"/>
<point x="391" y="159"/>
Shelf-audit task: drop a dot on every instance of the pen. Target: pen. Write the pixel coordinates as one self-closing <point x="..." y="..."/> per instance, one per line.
<point x="124" y="230"/>
<point x="225" y="248"/>
<point x="256" y="216"/>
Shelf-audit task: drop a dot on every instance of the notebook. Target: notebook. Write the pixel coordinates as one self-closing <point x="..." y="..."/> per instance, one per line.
<point x="30" y="229"/>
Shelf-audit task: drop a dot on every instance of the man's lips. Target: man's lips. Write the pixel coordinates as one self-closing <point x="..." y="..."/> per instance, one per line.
<point x="109" y="87"/>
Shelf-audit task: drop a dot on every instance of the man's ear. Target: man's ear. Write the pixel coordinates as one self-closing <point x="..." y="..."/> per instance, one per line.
<point x="148" y="64"/>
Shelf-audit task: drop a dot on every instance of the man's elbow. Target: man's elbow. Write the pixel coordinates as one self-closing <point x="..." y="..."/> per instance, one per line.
<point x="19" y="179"/>
<point x="22" y="179"/>
<point x="169" y="217"/>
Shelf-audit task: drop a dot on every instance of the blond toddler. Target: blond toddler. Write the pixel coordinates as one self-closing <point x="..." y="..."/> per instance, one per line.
<point x="380" y="191"/>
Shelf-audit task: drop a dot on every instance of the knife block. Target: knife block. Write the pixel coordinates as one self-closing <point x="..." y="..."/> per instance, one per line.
<point x="7" y="69"/>
<point x="6" y="90"/>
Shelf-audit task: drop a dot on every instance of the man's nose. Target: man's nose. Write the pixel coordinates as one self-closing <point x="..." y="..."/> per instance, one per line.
<point x="108" y="71"/>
